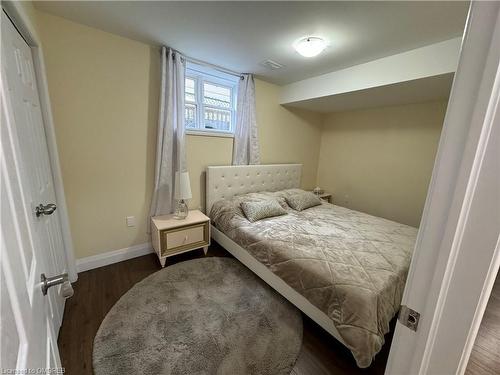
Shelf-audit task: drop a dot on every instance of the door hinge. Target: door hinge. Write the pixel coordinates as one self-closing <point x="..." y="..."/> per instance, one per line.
<point x="409" y="317"/>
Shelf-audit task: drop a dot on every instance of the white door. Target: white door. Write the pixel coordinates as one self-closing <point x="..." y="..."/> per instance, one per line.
<point x="31" y="243"/>
<point x="457" y="250"/>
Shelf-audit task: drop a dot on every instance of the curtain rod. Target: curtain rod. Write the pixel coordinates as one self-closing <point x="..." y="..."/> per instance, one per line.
<point x="200" y="62"/>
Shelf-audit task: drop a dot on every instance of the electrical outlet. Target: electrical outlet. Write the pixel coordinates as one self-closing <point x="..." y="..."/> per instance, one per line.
<point x="130" y="221"/>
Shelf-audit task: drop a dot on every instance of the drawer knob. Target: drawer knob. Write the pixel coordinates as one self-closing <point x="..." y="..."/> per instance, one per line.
<point x="185" y="239"/>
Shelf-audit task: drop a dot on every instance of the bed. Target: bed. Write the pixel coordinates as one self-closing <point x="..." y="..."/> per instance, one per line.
<point x="345" y="269"/>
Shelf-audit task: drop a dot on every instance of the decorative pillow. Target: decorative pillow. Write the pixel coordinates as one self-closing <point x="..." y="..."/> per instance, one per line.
<point x="260" y="210"/>
<point x="304" y="200"/>
<point x="259" y="197"/>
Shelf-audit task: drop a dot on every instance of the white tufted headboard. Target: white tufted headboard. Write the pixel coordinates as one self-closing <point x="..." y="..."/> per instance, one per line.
<point x="227" y="181"/>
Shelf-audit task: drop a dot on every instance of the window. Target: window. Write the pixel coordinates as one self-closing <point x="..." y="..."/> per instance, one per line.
<point x="210" y="100"/>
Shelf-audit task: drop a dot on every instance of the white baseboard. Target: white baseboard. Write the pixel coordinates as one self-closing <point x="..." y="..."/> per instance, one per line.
<point x="110" y="257"/>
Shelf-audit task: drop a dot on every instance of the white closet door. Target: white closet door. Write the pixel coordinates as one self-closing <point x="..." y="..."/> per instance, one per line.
<point x="30" y="244"/>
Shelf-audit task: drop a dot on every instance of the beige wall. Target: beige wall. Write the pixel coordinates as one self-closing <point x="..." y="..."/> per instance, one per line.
<point x="201" y="152"/>
<point x="287" y="135"/>
<point x="380" y="160"/>
<point x="103" y="91"/>
<point x="104" y="94"/>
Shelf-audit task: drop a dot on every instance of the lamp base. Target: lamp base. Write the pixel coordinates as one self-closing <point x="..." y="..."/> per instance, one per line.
<point x="181" y="210"/>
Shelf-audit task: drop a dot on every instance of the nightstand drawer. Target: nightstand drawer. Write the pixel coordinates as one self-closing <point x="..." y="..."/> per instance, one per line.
<point x="182" y="238"/>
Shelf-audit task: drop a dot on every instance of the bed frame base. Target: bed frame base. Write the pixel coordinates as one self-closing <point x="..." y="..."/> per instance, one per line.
<point x="276" y="283"/>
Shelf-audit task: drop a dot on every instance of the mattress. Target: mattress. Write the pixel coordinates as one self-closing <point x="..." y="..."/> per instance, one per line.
<point x="349" y="264"/>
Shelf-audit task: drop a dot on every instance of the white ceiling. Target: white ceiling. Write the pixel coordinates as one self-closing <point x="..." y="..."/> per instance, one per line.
<point x="238" y="35"/>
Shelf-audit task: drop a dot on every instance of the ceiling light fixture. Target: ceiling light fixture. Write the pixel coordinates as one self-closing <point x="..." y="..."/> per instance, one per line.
<point x="310" y="46"/>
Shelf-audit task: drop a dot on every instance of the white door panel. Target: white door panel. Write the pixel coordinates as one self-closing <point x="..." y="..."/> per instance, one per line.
<point x="31" y="244"/>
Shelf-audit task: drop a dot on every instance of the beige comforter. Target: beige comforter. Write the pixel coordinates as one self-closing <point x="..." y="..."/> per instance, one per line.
<point x="351" y="265"/>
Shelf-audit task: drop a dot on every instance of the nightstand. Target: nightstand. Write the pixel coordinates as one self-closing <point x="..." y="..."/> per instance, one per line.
<point x="327" y="197"/>
<point x="171" y="236"/>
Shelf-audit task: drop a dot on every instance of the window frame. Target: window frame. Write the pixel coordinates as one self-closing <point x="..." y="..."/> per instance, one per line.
<point x="195" y="103"/>
<point x="202" y="75"/>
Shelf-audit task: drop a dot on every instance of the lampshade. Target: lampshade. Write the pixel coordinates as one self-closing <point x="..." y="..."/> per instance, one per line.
<point x="182" y="186"/>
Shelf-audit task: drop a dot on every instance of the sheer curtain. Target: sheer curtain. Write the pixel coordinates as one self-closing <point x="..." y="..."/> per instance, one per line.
<point x="170" y="149"/>
<point x="246" y="142"/>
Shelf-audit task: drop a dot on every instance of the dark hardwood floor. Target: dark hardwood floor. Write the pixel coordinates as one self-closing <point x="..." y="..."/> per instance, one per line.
<point x="96" y="291"/>
<point x="485" y="356"/>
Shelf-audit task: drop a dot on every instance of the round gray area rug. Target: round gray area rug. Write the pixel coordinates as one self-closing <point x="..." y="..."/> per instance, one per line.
<point x="203" y="316"/>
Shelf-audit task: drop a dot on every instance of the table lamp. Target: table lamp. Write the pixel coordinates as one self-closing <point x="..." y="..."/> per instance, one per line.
<point x="182" y="192"/>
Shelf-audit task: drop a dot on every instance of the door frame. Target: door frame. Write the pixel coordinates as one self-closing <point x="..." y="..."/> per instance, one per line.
<point x="450" y="293"/>
<point x="19" y="16"/>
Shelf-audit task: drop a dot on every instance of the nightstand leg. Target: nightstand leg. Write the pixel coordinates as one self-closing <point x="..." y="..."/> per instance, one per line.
<point x="163" y="261"/>
<point x="205" y="249"/>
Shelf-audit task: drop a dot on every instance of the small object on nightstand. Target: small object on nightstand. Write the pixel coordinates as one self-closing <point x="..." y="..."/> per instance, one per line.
<point x="318" y="191"/>
<point x="171" y="236"/>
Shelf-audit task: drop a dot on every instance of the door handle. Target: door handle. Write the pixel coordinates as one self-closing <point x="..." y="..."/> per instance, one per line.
<point x="48" y="282"/>
<point x="47" y="209"/>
